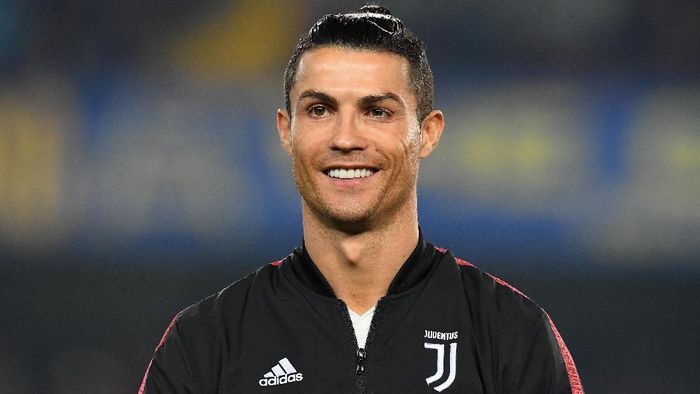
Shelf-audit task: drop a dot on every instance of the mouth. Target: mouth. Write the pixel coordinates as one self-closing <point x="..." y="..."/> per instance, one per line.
<point x="349" y="173"/>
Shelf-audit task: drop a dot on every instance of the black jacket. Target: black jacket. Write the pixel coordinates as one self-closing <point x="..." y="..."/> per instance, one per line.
<point x="443" y="326"/>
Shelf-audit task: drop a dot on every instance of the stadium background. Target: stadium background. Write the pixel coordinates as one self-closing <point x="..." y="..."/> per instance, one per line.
<point x="140" y="171"/>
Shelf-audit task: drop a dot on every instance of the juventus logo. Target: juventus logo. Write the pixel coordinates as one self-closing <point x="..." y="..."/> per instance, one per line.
<point x="440" y="348"/>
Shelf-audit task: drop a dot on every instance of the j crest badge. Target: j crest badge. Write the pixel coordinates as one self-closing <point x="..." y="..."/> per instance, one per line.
<point x="445" y="346"/>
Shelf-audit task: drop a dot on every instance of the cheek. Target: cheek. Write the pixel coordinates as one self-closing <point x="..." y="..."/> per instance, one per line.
<point x="413" y="135"/>
<point x="406" y="142"/>
<point x="406" y="150"/>
<point x="303" y="155"/>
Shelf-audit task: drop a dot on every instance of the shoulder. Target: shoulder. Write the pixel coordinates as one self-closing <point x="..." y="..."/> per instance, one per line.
<point x="224" y="307"/>
<point x="521" y="325"/>
<point x="192" y="348"/>
<point x="490" y="294"/>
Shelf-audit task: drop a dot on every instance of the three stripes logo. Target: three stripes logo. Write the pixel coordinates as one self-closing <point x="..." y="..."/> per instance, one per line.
<point x="281" y="373"/>
<point x="440" y="364"/>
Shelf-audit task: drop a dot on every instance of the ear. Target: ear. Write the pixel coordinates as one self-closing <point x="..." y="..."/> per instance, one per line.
<point x="284" y="128"/>
<point x="431" y="130"/>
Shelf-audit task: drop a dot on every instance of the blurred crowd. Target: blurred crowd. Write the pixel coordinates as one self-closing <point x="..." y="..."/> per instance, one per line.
<point x="130" y="123"/>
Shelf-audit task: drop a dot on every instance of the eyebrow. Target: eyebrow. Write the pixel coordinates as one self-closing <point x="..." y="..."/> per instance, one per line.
<point x="363" y="101"/>
<point x="314" y="94"/>
<point x="373" y="99"/>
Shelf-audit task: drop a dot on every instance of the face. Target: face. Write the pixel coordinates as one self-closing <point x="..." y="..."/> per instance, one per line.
<point x="353" y="135"/>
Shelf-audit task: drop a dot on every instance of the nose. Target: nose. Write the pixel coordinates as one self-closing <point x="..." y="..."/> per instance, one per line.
<point x="347" y="135"/>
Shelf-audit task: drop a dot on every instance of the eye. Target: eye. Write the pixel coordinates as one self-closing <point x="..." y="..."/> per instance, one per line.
<point x="378" y="113"/>
<point x="318" y="111"/>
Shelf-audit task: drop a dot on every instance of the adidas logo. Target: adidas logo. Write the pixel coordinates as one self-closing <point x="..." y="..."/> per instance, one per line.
<point x="281" y="373"/>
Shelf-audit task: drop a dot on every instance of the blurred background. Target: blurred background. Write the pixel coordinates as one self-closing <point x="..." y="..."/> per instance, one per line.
<point x="140" y="171"/>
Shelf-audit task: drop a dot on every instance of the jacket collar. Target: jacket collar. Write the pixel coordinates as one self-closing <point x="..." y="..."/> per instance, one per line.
<point x="416" y="267"/>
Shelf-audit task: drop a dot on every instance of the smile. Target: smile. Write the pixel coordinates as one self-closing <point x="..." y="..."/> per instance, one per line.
<point x="350" y="173"/>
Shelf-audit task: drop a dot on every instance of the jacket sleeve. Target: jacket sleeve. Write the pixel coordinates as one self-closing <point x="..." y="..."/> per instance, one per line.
<point x="169" y="371"/>
<point x="546" y="366"/>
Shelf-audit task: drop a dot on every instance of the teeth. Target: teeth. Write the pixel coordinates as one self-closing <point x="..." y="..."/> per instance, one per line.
<point x="342" y="173"/>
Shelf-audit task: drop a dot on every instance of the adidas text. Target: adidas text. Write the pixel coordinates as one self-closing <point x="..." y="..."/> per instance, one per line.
<point x="276" y="380"/>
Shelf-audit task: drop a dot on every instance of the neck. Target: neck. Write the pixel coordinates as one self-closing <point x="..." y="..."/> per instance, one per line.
<point x="360" y="265"/>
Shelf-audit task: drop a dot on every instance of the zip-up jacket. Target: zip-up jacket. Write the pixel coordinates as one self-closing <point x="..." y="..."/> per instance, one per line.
<point x="444" y="326"/>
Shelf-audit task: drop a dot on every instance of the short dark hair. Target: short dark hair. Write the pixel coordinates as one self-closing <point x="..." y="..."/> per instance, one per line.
<point x="371" y="27"/>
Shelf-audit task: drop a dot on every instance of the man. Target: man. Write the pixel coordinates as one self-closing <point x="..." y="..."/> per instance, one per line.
<point x="365" y="305"/>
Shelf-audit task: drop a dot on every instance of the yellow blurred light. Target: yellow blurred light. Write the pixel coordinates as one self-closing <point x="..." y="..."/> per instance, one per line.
<point x="519" y="147"/>
<point x="33" y="153"/>
<point x="242" y="41"/>
<point x="483" y="152"/>
<point x="684" y="156"/>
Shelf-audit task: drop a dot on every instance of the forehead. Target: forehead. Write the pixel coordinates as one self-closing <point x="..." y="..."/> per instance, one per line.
<point x="342" y="69"/>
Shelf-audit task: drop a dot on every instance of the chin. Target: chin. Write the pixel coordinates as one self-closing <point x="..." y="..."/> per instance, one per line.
<point x="350" y="221"/>
<point x="349" y="216"/>
<point x="355" y="226"/>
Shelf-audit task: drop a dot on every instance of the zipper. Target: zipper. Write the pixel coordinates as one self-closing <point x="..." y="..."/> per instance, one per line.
<point x="361" y="353"/>
<point x="360" y="358"/>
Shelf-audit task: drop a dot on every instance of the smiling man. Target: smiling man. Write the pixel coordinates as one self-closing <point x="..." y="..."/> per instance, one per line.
<point x="366" y="304"/>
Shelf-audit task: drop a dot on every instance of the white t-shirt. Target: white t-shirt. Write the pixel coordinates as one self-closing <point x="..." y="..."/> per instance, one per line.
<point x="361" y="325"/>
